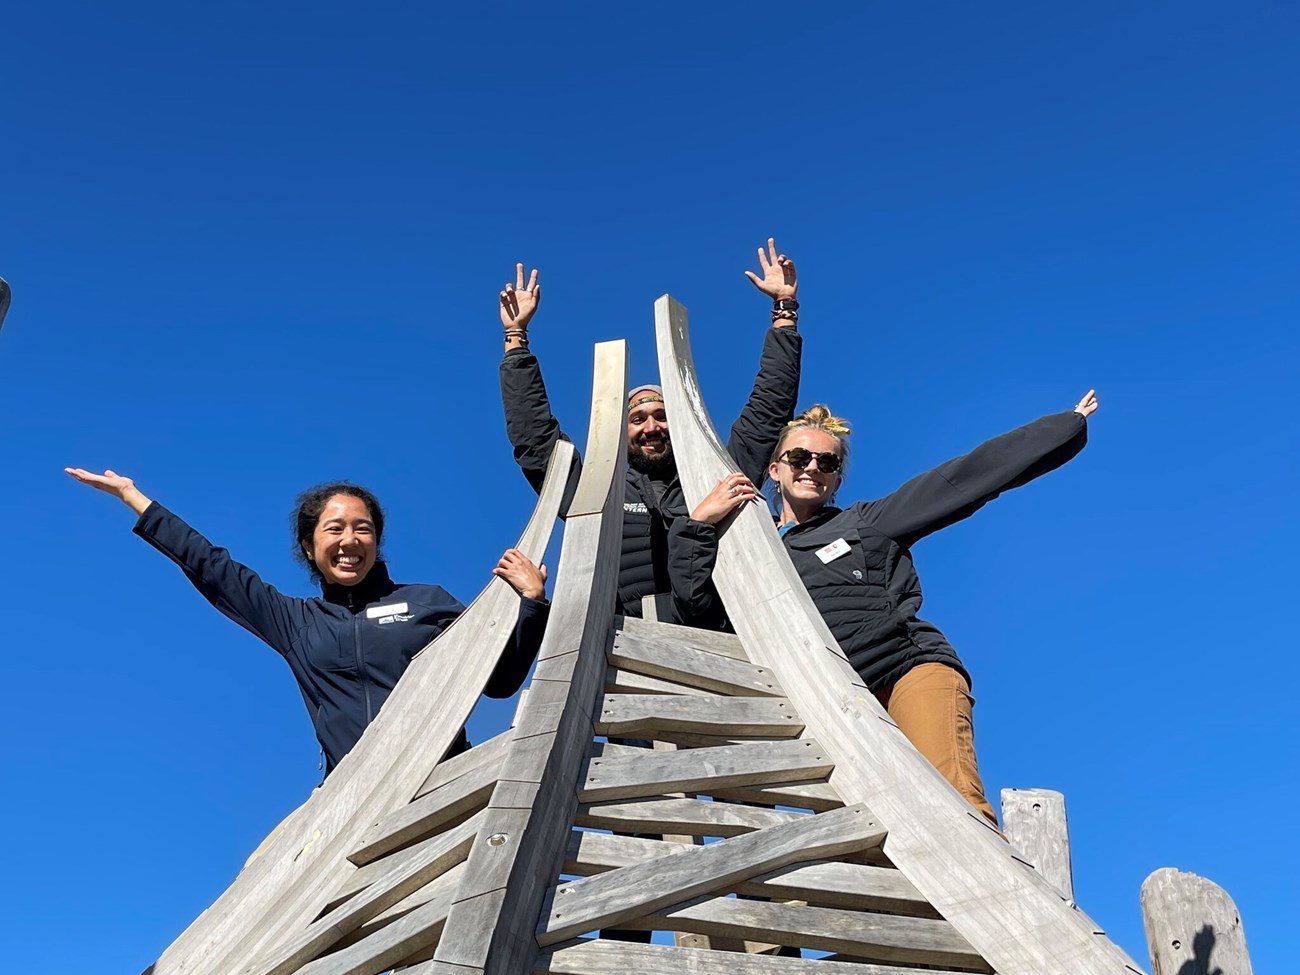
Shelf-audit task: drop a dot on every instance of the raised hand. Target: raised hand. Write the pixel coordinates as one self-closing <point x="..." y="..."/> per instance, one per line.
<point x="1088" y="405"/>
<point x="519" y="302"/>
<point x="779" y="280"/>
<point x="110" y="482"/>
<point x="516" y="568"/>
<point x="727" y="495"/>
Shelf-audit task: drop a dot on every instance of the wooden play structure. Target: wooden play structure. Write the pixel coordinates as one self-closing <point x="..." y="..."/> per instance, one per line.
<point x="779" y="810"/>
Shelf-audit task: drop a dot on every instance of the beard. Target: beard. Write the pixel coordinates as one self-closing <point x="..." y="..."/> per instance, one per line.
<point x="660" y="467"/>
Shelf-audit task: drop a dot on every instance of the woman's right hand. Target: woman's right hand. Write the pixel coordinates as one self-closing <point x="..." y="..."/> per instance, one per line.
<point x="519" y="302"/>
<point x="110" y="482"/>
<point x="727" y="495"/>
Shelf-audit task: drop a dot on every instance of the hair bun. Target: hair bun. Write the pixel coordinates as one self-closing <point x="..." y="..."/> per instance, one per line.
<point x="820" y="417"/>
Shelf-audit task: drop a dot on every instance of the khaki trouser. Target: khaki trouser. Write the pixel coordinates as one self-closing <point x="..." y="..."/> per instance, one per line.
<point x="931" y="704"/>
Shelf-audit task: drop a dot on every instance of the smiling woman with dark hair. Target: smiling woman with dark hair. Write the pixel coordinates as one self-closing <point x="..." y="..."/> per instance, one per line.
<point x="347" y="647"/>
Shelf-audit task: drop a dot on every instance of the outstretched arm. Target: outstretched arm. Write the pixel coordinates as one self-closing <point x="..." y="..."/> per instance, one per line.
<point x="693" y="553"/>
<point x="530" y="425"/>
<point x="232" y="587"/>
<point x="776" y="388"/>
<point x="962" y="486"/>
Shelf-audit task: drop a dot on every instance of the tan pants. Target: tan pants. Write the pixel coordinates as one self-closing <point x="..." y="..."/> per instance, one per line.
<point x="931" y="704"/>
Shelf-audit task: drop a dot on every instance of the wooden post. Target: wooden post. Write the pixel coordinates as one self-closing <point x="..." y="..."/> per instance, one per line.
<point x="1034" y="821"/>
<point x="1193" y="927"/>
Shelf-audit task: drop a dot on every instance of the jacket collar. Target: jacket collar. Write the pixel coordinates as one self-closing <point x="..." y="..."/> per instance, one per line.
<point x="819" y="517"/>
<point x="376" y="585"/>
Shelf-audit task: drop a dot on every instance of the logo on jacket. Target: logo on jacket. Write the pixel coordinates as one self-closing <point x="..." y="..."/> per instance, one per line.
<point x="635" y="508"/>
<point x="392" y="613"/>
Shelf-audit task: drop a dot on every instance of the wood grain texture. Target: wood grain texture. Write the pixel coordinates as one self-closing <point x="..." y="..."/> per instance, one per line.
<point x="615" y="774"/>
<point x="692" y="817"/>
<point x="454" y="843"/>
<point x="607" y="899"/>
<point x="283" y="890"/>
<point x="619" y="958"/>
<point x="645" y="715"/>
<point x="1035" y="823"/>
<point x="443" y="807"/>
<point x="629" y="629"/>
<point x="872" y="937"/>
<point x="620" y="681"/>
<point x="658" y="655"/>
<point x="1013" y="917"/>
<point x="1193" y="927"/>
<point x="491" y="922"/>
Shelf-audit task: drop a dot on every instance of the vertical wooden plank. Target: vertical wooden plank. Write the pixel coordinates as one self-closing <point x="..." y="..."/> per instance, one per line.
<point x="1034" y="822"/>
<point x="1193" y="926"/>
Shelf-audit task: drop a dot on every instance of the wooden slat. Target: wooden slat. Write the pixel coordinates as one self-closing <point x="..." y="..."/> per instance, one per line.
<point x="388" y="946"/>
<point x="720" y="673"/>
<point x="693" y="817"/>
<point x="443" y="807"/>
<point x="816" y="796"/>
<point x="630" y="629"/>
<point x="872" y="937"/>
<point x="609" y="898"/>
<point x="453" y="843"/>
<point x="443" y="886"/>
<point x="854" y="886"/>
<point x="283" y="890"/>
<point x="614" y="775"/>
<point x="620" y="681"/>
<point x="486" y="753"/>
<point x="490" y="924"/>
<point x="620" y="958"/>
<point x="1034" y="822"/>
<point x="648" y="714"/>
<point x="1015" y="918"/>
<point x="1193" y="927"/>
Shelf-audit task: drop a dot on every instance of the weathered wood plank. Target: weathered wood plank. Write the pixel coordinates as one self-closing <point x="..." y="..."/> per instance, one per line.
<point x="486" y="753"/>
<point x="872" y="937"/>
<point x="490" y="924"/>
<point x="1193" y="927"/>
<point x="443" y="886"/>
<point x="720" y="673"/>
<point x="692" y="817"/>
<point x="434" y="811"/>
<point x="854" y="886"/>
<point x="648" y="714"/>
<point x="609" y="898"/>
<point x="1033" y="820"/>
<point x="628" y="630"/>
<point x="1015" y="918"/>
<point x="453" y="844"/>
<point x="815" y="796"/>
<point x="617" y="958"/>
<point x="612" y="775"/>
<point x="386" y="947"/>
<point x="620" y="681"/>
<point x="283" y="890"/>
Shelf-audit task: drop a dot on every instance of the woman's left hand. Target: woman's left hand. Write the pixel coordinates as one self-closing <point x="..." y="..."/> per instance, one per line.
<point x="1088" y="405"/>
<point x="517" y="569"/>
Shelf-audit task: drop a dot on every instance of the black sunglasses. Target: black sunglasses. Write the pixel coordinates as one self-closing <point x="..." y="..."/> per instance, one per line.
<point x="801" y="457"/>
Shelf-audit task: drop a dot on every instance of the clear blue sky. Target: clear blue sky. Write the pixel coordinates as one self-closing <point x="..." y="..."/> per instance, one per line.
<point x="257" y="246"/>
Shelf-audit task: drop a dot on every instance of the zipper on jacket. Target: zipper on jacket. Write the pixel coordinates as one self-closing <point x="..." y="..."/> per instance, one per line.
<point x="356" y="656"/>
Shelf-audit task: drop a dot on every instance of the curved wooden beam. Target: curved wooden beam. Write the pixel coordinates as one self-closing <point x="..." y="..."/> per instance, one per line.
<point x="5" y="295"/>
<point x="967" y="871"/>
<point x="288" y="886"/>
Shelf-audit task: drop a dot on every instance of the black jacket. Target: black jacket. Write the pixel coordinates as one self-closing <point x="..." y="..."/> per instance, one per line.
<point x="647" y="512"/>
<point x="870" y="595"/>
<point x="346" y="649"/>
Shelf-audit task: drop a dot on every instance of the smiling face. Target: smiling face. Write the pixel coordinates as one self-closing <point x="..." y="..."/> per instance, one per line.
<point x="648" y="446"/>
<point x="804" y="491"/>
<point x="344" y="546"/>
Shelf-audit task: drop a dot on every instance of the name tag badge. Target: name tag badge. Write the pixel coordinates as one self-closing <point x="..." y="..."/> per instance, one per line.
<point x="392" y="609"/>
<point x="833" y="551"/>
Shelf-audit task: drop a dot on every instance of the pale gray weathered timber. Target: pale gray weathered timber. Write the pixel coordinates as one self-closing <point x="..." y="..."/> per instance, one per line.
<point x="491" y="922"/>
<point x="692" y="817"/>
<point x="609" y="898"/>
<point x="1013" y="917"/>
<point x="630" y="629"/>
<point x="1035" y="823"/>
<point x="387" y="946"/>
<point x="815" y="796"/>
<point x="1193" y="926"/>
<point x="621" y="958"/>
<point x="873" y="937"/>
<point x="647" y="714"/>
<point x="285" y="889"/>
<point x="453" y="844"/>
<point x="658" y="655"/>
<point x="620" y="681"/>
<point x="854" y="886"/>
<point x="443" y="807"/>
<point x="618" y="775"/>
<point x="488" y="753"/>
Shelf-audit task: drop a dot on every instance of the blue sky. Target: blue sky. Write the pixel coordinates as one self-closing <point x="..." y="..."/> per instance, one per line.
<point x="253" y="248"/>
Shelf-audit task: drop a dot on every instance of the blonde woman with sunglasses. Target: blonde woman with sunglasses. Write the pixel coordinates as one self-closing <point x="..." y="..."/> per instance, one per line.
<point x="856" y="563"/>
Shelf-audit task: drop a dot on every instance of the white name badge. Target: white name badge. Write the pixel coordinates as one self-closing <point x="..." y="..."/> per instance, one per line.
<point x="831" y="552"/>
<point x="392" y="609"/>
